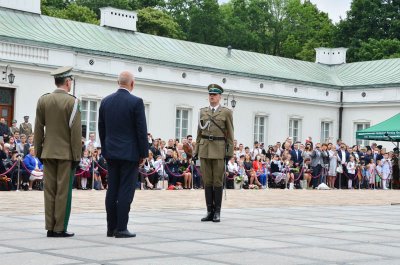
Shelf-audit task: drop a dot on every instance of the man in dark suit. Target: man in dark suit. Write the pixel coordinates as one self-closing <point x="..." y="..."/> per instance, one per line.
<point x="123" y="136"/>
<point x="296" y="155"/>
<point x="344" y="157"/>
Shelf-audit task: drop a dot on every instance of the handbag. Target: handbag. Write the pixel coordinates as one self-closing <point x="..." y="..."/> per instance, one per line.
<point x="339" y="169"/>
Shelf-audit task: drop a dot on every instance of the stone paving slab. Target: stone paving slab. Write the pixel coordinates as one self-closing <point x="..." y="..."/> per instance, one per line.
<point x="266" y="233"/>
<point x="86" y="201"/>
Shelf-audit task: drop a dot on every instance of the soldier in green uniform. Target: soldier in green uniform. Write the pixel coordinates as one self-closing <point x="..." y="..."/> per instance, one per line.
<point x="25" y="127"/>
<point x="214" y="143"/>
<point x="58" y="144"/>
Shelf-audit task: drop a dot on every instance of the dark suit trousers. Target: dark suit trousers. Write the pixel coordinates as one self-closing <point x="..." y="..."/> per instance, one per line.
<point x="122" y="178"/>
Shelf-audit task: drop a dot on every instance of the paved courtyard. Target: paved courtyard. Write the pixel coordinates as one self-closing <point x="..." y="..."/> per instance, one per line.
<point x="258" y="227"/>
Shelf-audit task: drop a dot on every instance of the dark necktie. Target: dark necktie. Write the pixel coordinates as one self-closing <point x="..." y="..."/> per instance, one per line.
<point x="213" y="110"/>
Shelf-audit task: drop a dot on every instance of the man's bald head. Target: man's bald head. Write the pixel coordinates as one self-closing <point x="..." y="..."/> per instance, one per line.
<point x="126" y="80"/>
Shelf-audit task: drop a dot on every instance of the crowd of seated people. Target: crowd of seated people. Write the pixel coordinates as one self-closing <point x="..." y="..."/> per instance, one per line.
<point x="170" y="165"/>
<point x="21" y="169"/>
<point x="288" y="165"/>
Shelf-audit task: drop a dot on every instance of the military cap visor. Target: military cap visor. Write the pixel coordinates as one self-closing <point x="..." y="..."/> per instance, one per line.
<point x="215" y="89"/>
<point x="62" y="72"/>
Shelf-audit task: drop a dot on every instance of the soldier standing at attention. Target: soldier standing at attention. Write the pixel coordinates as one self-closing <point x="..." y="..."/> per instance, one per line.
<point x="214" y="143"/>
<point x="26" y="127"/>
<point x="57" y="141"/>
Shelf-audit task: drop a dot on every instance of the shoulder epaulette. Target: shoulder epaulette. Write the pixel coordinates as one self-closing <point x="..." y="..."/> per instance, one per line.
<point x="72" y="95"/>
<point x="44" y="94"/>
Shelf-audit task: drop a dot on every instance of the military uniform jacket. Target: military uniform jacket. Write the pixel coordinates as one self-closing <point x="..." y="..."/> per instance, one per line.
<point x="209" y="148"/>
<point x="25" y="128"/>
<point x="58" y="128"/>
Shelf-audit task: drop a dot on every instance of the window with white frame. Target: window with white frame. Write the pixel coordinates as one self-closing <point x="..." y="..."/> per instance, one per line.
<point x="260" y="128"/>
<point x="89" y="116"/>
<point x="295" y="129"/>
<point x="182" y="121"/>
<point x="326" y="131"/>
<point x="358" y="126"/>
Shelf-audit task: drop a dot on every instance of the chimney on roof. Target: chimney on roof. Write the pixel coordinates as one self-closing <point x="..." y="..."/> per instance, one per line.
<point x="331" y="56"/>
<point x="118" y="18"/>
<point x="32" y="6"/>
<point x="229" y="50"/>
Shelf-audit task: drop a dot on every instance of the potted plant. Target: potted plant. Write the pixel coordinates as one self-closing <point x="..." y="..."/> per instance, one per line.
<point x="238" y="182"/>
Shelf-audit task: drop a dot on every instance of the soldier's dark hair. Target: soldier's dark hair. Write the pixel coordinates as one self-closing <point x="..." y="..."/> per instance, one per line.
<point x="189" y="136"/>
<point x="59" y="81"/>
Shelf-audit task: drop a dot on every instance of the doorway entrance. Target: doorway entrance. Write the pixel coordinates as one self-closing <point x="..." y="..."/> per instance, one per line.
<point x="7" y="104"/>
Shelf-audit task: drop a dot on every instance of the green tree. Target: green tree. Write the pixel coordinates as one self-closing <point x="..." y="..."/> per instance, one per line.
<point x="237" y="26"/>
<point x="157" y="22"/>
<point x="180" y="12"/>
<point x="378" y="49"/>
<point x="305" y="28"/>
<point x="368" y="19"/>
<point x="206" y="23"/>
<point x="73" y="12"/>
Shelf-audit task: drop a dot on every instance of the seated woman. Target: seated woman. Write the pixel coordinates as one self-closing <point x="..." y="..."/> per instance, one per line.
<point x="4" y="179"/>
<point x="162" y="175"/>
<point x="258" y="168"/>
<point x="184" y="169"/>
<point x="22" y="181"/>
<point x="232" y="173"/>
<point x="172" y="165"/>
<point x="276" y="169"/>
<point x="35" y="167"/>
<point x="152" y="178"/>
<point x="251" y="173"/>
<point x="307" y="171"/>
<point x="289" y="170"/>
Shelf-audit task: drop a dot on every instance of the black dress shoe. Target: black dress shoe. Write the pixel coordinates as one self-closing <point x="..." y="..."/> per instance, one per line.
<point x="124" y="234"/>
<point x="50" y="233"/>
<point x="208" y="217"/>
<point x="111" y="233"/>
<point x="216" y="218"/>
<point x="63" y="234"/>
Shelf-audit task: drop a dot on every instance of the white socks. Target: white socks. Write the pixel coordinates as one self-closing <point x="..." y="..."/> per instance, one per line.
<point x="350" y="184"/>
<point x="83" y="182"/>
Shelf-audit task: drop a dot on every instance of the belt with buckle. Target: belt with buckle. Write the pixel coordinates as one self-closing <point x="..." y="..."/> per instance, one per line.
<point x="213" y="138"/>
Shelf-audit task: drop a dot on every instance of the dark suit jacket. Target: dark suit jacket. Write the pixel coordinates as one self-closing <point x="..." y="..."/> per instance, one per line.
<point x="377" y="157"/>
<point x="347" y="155"/>
<point x="122" y="127"/>
<point x="294" y="156"/>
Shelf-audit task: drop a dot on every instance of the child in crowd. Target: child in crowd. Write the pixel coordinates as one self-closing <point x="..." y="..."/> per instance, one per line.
<point x="351" y="170"/>
<point x="84" y="167"/>
<point x="266" y="171"/>
<point x="378" y="175"/>
<point x="386" y="170"/>
<point x="371" y="167"/>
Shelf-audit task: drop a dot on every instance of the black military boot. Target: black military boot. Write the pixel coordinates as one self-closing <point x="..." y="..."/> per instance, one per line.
<point x="210" y="204"/>
<point x="217" y="203"/>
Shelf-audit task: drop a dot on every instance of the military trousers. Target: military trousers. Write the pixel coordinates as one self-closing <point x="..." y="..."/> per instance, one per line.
<point x="58" y="179"/>
<point x="213" y="172"/>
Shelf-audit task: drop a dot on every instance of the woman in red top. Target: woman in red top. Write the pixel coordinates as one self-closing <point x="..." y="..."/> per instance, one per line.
<point x="257" y="167"/>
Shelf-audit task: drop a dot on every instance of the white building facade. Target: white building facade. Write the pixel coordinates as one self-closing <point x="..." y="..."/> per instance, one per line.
<point x="275" y="98"/>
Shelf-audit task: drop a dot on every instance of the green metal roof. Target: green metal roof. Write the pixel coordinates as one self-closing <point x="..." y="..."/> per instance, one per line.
<point x="16" y="26"/>
<point x="388" y="130"/>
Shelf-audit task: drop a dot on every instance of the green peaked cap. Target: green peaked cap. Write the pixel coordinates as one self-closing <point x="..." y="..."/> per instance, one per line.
<point x="215" y="89"/>
<point x="62" y="72"/>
